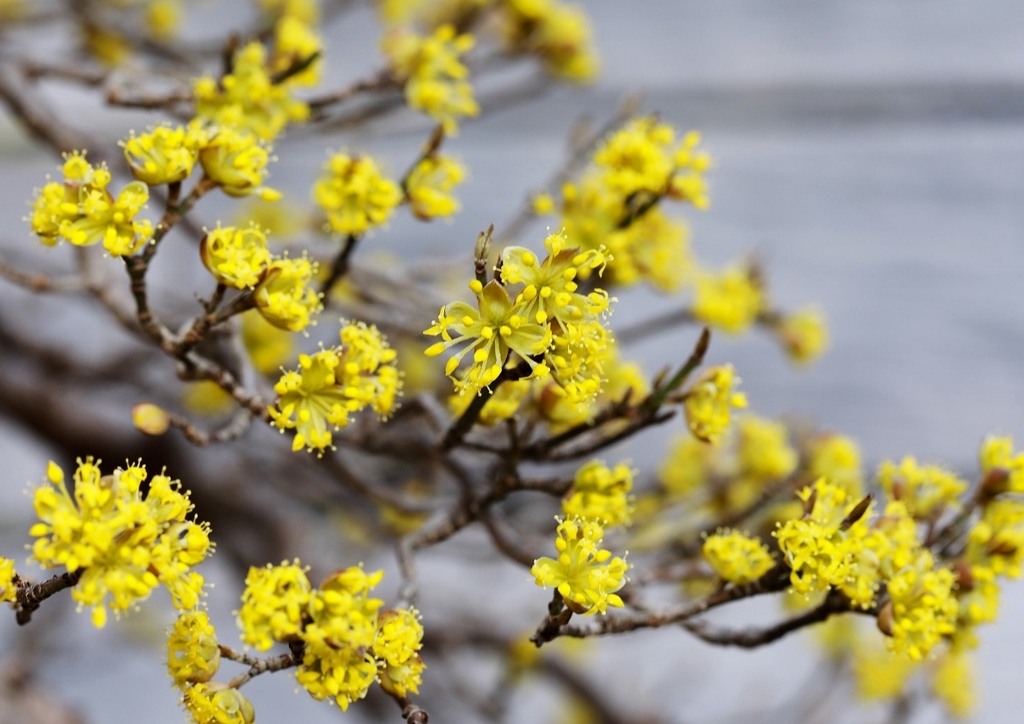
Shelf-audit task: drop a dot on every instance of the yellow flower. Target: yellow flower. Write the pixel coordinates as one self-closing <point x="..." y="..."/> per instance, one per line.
<point x="83" y="211"/>
<point x="269" y="347"/>
<point x="559" y="34"/>
<point x="273" y="604"/>
<point x="164" y="155"/>
<point x="924" y="489"/>
<point x="354" y="194"/>
<point x="193" y="655"/>
<point x="128" y="543"/>
<point x="8" y="590"/>
<point x="435" y="77"/>
<point x="237" y="162"/>
<point x="822" y="550"/>
<point x="337" y="662"/>
<point x="737" y="558"/>
<point x="1001" y="466"/>
<point x="688" y="465"/>
<point x="637" y="159"/>
<point x="284" y="295"/>
<point x="709" y="402"/>
<point x="493" y="330"/>
<point x="764" y="449"/>
<point x="399" y="638"/>
<point x="237" y="257"/>
<point x="163" y="19"/>
<point x="997" y="540"/>
<point x="295" y="42"/>
<point x="429" y="187"/>
<point x="502" y="405"/>
<point x="585" y="575"/>
<point x="730" y="301"/>
<point x="601" y="494"/>
<point x="803" y="334"/>
<point x="335" y="383"/>
<point x="247" y="98"/>
<point x="215" y="703"/>
<point x="923" y="607"/>
<point x="837" y="459"/>
<point x="954" y="684"/>
<point x="879" y="673"/>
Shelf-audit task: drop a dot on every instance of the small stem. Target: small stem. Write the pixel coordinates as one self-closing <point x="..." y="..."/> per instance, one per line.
<point x="558" y="616"/>
<point x="468" y="418"/>
<point x="262" y="666"/>
<point x="341" y="263"/>
<point x="234" y="429"/>
<point x="38" y="283"/>
<point x="295" y="68"/>
<point x="29" y="597"/>
<point x="204" y="323"/>
<point x="696" y="358"/>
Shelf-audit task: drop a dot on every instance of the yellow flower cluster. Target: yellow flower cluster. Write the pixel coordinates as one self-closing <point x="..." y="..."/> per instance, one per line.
<point x="282" y="287"/>
<point x="736" y="557"/>
<point x="295" y="42"/>
<point x="274" y="604"/>
<point x="923" y="606"/>
<point x="585" y="575"/>
<point x="1002" y="468"/>
<point x="882" y="675"/>
<point x="836" y="545"/>
<point x="193" y="654"/>
<point x="354" y="194"/>
<point x="995" y="540"/>
<point x="396" y="648"/>
<point x="836" y="458"/>
<point x="557" y="33"/>
<point x="236" y="257"/>
<point x="733" y="474"/>
<point x="953" y="684"/>
<point x="250" y="98"/>
<point x="601" y="494"/>
<point x="709" y="402"/>
<point x="554" y="328"/>
<point x="236" y="161"/>
<point x="543" y="397"/>
<point x="429" y="186"/>
<point x="307" y="11"/>
<point x="430" y="67"/>
<point x="926" y="490"/>
<point x="167" y="154"/>
<point x="729" y="301"/>
<point x="335" y="383"/>
<point x="614" y="204"/>
<point x="348" y="643"/>
<point x="83" y="211"/>
<point x="688" y="465"/>
<point x="285" y="295"/>
<point x="8" y="589"/>
<point x="803" y="335"/>
<point x="216" y="703"/>
<point x="764" y="450"/>
<point x="822" y="548"/>
<point x="127" y="542"/>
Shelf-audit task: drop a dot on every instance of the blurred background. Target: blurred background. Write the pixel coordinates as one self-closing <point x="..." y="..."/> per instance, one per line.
<point x="870" y="153"/>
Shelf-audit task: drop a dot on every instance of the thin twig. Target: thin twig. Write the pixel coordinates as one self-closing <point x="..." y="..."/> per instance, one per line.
<point x="29" y="597"/>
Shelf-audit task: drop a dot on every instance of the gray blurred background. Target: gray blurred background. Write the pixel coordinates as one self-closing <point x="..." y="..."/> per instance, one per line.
<point x="871" y="153"/>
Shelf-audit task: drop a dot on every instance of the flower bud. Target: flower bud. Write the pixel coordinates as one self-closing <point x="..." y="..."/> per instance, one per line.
<point x="150" y="419"/>
<point x="884" y="620"/>
<point x="230" y="705"/>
